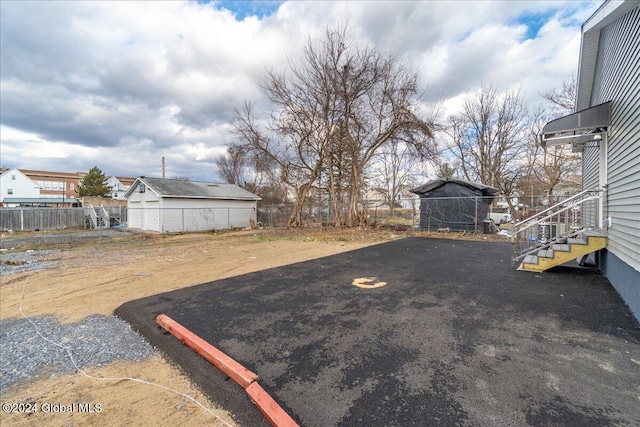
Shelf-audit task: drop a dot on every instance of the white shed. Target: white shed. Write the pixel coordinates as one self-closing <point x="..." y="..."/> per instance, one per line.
<point x="169" y="205"/>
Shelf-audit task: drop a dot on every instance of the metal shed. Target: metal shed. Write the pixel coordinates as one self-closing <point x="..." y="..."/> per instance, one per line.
<point x="454" y="204"/>
<point x="169" y="206"/>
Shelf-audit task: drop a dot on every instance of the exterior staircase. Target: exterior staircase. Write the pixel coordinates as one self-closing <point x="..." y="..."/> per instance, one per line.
<point x="569" y="230"/>
<point x="564" y="251"/>
<point x="99" y="217"/>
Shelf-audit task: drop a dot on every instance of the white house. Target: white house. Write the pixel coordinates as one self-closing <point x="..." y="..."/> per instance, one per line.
<point x="606" y="130"/>
<point x="119" y="186"/>
<point x="168" y="205"/>
<point x="15" y="186"/>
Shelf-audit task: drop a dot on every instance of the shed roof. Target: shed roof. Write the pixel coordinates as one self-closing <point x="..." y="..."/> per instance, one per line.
<point x="433" y="184"/>
<point x="193" y="189"/>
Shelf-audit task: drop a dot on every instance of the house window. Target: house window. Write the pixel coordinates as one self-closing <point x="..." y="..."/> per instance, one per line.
<point x="13" y="177"/>
<point x="72" y="186"/>
<point x="142" y="188"/>
<point x="9" y="190"/>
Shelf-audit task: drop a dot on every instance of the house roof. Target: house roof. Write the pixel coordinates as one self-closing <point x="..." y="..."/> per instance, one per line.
<point x="125" y="180"/>
<point x="40" y="200"/>
<point x="585" y="125"/>
<point x="433" y="184"/>
<point x="608" y="12"/>
<point x="193" y="189"/>
<point x="49" y="174"/>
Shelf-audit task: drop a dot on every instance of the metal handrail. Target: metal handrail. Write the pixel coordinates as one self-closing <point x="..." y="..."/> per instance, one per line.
<point x="566" y="218"/>
<point x="535" y="219"/>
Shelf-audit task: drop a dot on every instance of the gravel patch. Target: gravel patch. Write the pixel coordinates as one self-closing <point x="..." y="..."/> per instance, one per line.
<point x="18" y="262"/>
<point x="97" y="340"/>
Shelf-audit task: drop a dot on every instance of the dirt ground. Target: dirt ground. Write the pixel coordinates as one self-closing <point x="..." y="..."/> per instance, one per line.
<point x="96" y="278"/>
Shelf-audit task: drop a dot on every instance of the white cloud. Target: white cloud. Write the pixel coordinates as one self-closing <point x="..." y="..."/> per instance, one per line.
<point x="121" y="84"/>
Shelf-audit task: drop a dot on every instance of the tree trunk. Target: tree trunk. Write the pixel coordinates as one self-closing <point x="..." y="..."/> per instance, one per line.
<point x="335" y="204"/>
<point x="353" y="218"/>
<point x="296" y="212"/>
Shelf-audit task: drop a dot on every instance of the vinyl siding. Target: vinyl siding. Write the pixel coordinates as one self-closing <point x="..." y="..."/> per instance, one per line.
<point x="189" y="215"/>
<point x="590" y="177"/>
<point x="617" y="79"/>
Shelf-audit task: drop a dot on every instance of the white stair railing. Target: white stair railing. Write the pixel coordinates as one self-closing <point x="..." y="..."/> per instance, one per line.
<point x="92" y="215"/>
<point x="106" y="223"/>
<point x="566" y="219"/>
<point x="98" y="219"/>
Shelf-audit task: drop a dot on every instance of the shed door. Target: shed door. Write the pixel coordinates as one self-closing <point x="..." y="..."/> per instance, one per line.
<point x="151" y="216"/>
<point x="134" y="218"/>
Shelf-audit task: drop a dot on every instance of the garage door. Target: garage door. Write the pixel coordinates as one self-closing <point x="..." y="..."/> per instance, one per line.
<point x="134" y="215"/>
<point x="151" y="216"/>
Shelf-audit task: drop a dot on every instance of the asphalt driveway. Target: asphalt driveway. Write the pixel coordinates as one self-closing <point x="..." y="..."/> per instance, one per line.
<point x="454" y="337"/>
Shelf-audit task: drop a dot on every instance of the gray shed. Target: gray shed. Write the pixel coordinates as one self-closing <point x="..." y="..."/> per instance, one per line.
<point x="454" y="204"/>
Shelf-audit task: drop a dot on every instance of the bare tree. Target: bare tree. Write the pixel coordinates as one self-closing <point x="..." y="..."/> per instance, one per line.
<point x="489" y="138"/>
<point x="446" y="170"/>
<point x="562" y="100"/>
<point x="385" y="109"/>
<point x="233" y="166"/>
<point x="397" y="167"/>
<point x="332" y="115"/>
<point x="554" y="166"/>
<point x="253" y="172"/>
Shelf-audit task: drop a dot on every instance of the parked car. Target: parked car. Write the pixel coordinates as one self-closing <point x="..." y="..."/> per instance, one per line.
<point x="500" y="216"/>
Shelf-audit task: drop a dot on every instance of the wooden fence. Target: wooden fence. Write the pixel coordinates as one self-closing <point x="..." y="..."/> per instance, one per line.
<point x="31" y="219"/>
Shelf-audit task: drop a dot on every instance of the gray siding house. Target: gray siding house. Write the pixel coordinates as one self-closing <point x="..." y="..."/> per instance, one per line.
<point x="606" y="130"/>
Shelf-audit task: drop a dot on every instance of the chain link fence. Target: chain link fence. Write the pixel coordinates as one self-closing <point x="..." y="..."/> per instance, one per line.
<point x="455" y="213"/>
<point x="189" y="220"/>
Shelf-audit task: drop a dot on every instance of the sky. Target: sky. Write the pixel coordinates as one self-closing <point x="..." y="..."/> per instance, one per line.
<point x="119" y="85"/>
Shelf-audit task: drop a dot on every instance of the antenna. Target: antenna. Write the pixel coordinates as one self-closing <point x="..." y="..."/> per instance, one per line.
<point x="162" y="166"/>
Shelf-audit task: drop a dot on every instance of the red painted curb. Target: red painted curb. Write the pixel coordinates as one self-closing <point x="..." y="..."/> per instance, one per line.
<point x="233" y="369"/>
<point x="247" y="379"/>
<point x="269" y="407"/>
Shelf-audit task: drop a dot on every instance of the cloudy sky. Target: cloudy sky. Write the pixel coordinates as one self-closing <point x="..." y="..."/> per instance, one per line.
<point x="122" y="84"/>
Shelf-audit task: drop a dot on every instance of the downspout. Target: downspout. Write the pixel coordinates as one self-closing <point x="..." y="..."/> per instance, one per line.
<point x="603" y="183"/>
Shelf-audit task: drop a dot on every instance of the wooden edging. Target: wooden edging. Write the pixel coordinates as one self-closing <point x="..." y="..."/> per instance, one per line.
<point x="241" y="375"/>
<point x="269" y="407"/>
<point x="230" y="367"/>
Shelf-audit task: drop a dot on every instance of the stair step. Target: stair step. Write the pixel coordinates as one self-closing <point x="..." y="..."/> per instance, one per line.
<point x="561" y="247"/>
<point x="576" y="241"/>
<point x="545" y="253"/>
<point x="531" y="259"/>
<point x="592" y="233"/>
